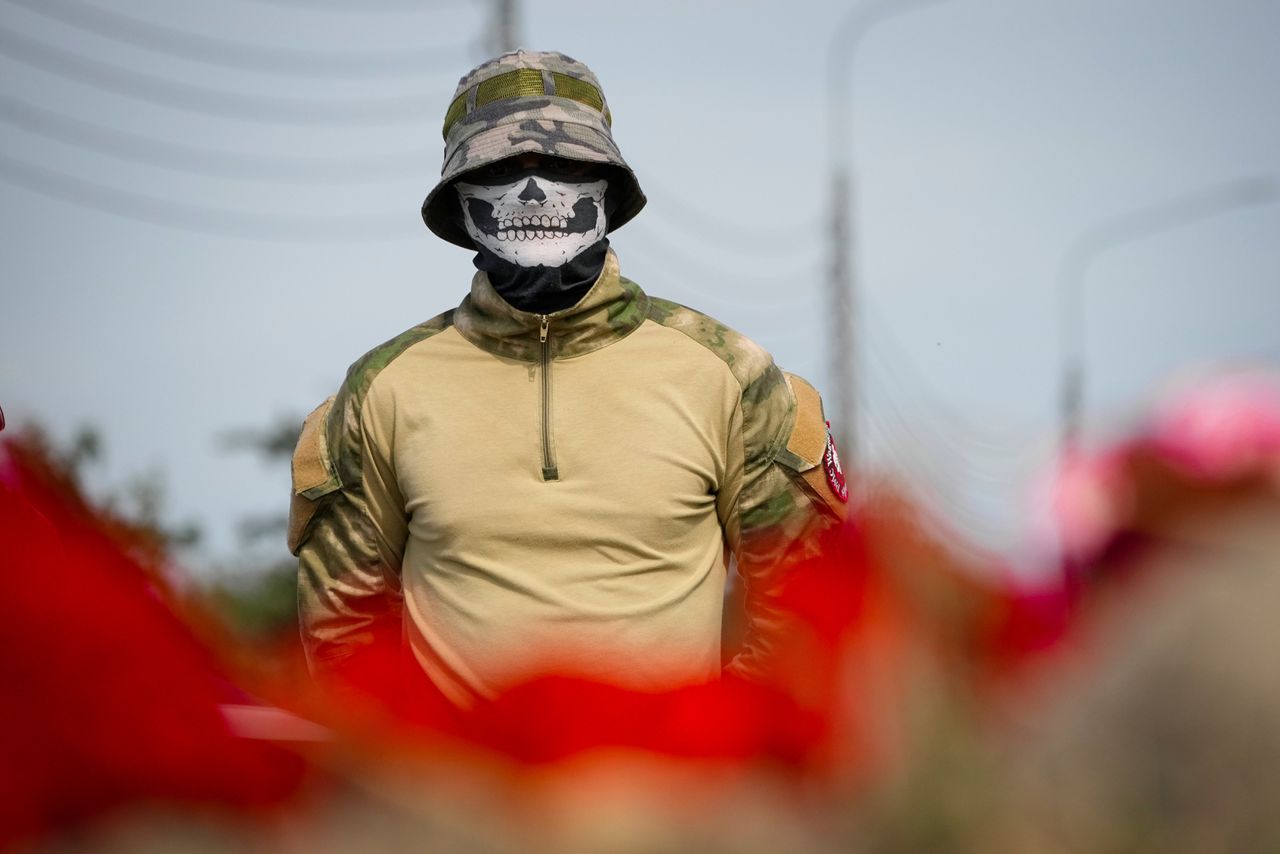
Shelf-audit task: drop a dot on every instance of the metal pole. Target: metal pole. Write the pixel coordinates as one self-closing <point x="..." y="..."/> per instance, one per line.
<point x="841" y="357"/>
<point x="1128" y="228"/>
<point x="505" y="28"/>
<point x="842" y="339"/>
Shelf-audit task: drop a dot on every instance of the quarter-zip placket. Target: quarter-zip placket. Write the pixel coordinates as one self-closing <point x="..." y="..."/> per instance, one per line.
<point x="549" y="469"/>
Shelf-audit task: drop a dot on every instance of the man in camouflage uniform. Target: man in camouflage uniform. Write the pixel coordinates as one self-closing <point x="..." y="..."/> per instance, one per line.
<point x="553" y="474"/>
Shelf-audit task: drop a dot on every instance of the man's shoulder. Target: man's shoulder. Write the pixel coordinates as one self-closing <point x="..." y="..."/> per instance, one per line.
<point x="747" y="360"/>
<point x="364" y="370"/>
<point x="327" y="456"/>
<point x="768" y="406"/>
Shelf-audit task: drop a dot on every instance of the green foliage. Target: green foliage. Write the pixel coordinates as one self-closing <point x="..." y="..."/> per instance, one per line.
<point x="274" y="443"/>
<point x="264" y="605"/>
<point x="136" y="505"/>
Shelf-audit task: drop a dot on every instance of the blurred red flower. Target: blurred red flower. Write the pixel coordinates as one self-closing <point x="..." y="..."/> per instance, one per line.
<point x="110" y="698"/>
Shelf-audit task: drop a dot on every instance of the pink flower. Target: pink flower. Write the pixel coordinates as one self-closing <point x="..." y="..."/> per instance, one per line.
<point x="1222" y="428"/>
<point x="1088" y="499"/>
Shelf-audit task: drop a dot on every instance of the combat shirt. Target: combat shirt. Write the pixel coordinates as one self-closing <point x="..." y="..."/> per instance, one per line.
<point x="563" y="491"/>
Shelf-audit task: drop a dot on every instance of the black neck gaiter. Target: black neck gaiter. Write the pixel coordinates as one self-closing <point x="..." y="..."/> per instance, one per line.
<point x="543" y="290"/>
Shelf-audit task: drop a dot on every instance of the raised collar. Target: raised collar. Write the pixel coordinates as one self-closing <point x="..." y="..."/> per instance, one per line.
<point x="609" y="311"/>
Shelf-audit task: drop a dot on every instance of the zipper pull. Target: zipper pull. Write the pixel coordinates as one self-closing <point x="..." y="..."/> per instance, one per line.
<point x="542" y="331"/>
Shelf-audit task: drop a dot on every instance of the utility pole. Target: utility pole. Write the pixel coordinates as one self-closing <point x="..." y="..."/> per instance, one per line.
<point x="842" y="305"/>
<point x="505" y="33"/>
<point x="841" y="352"/>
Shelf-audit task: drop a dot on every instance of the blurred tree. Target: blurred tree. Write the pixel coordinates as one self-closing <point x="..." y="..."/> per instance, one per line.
<point x="137" y="505"/>
<point x="261" y="602"/>
<point x="263" y="606"/>
<point x="274" y="442"/>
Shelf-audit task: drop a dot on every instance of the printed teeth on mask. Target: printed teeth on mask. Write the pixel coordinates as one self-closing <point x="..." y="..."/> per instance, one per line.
<point x="528" y="234"/>
<point x="535" y="221"/>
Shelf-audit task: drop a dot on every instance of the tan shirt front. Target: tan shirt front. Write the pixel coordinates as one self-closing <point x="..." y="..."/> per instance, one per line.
<point x="659" y="422"/>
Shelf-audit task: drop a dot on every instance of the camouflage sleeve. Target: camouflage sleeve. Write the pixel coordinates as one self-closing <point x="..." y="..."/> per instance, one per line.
<point x="347" y="527"/>
<point x="792" y="493"/>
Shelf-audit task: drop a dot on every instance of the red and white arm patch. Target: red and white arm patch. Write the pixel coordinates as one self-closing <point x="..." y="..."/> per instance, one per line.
<point x="831" y="467"/>
<point x="811" y="442"/>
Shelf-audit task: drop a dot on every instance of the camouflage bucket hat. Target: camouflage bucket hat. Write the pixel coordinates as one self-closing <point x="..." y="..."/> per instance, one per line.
<point x="544" y="103"/>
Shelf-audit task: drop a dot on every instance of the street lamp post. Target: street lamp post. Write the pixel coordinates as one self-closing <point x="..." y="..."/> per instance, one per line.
<point x="1120" y="230"/>
<point x="505" y="27"/>
<point x="842" y="315"/>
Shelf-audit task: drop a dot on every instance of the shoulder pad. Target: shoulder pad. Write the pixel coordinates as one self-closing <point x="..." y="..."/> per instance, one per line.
<point x="363" y="371"/>
<point x="766" y="400"/>
<point x="313" y="475"/>
<point x="745" y="359"/>
<point x="810" y="451"/>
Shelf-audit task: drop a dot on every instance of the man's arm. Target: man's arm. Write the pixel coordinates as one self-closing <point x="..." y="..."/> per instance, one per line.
<point x="792" y="495"/>
<point x="347" y="527"/>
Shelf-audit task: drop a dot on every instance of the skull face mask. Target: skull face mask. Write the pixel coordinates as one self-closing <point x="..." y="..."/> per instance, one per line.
<point x="534" y="220"/>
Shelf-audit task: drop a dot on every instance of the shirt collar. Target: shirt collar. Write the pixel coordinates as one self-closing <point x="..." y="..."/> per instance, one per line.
<point x="608" y="312"/>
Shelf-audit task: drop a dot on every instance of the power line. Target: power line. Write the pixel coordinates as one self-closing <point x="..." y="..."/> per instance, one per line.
<point x="954" y="517"/>
<point x="703" y="268"/>
<point x="959" y="516"/>
<point x="209" y="161"/>
<point x="725" y="294"/>
<point x="917" y="464"/>
<point x="200" y="99"/>
<point x="913" y="453"/>
<point x="973" y="462"/>
<point x="968" y="467"/>
<point x="210" y="221"/>
<point x="946" y="432"/>
<point x="755" y="239"/>
<point x="983" y="436"/>
<point x="720" y="235"/>
<point x="360" y="8"/>
<point x="906" y="428"/>
<point x="947" y="487"/>
<point x="280" y="60"/>
<point x="974" y="466"/>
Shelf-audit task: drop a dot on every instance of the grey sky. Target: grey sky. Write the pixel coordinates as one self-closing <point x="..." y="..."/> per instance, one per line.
<point x="988" y="135"/>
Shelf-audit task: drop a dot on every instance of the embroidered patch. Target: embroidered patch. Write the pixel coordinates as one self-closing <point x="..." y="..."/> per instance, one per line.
<point x="831" y="465"/>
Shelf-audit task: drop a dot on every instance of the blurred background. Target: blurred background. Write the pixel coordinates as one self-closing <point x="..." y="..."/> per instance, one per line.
<point x="209" y="212"/>
<point x="994" y="233"/>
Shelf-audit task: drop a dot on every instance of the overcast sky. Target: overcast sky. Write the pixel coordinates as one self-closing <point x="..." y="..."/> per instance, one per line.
<point x="210" y="210"/>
